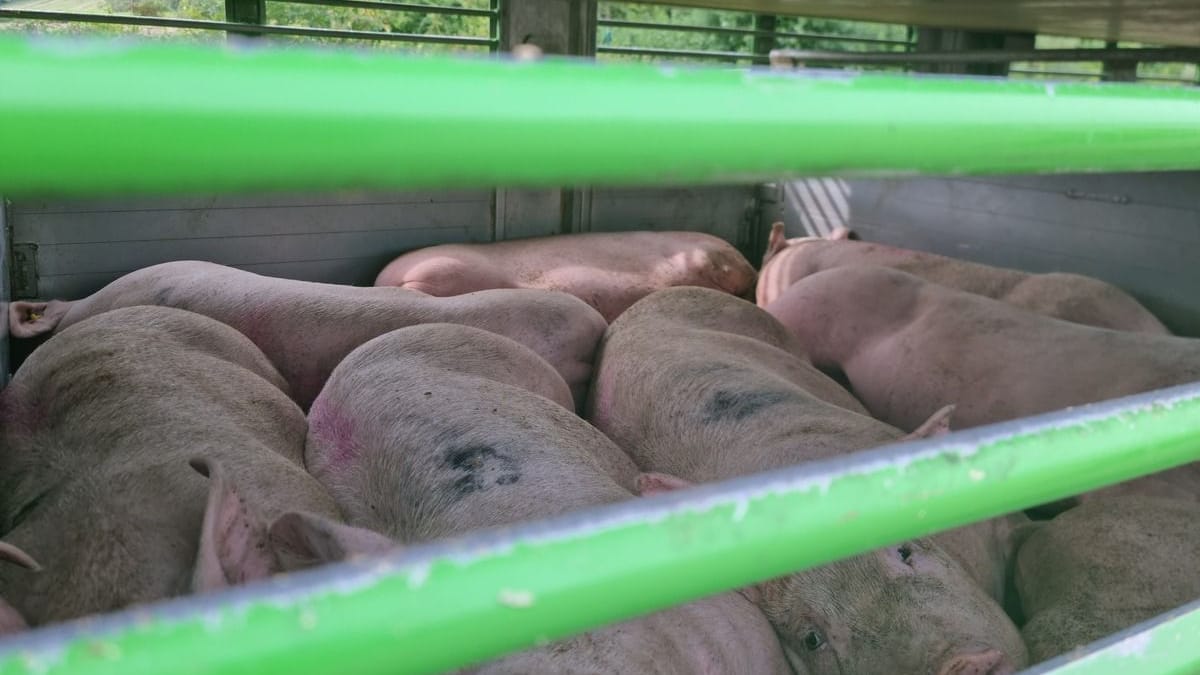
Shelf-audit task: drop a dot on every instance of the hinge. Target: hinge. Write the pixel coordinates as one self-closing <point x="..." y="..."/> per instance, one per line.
<point x="24" y="271"/>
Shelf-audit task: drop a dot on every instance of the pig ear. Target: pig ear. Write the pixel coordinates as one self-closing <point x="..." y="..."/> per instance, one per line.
<point x="751" y="593"/>
<point x="12" y="554"/>
<point x="938" y="424"/>
<point x="30" y="319"/>
<point x="776" y="242"/>
<point x="233" y="542"/>
<point x="11" y="620"/>
<point x="653" y="483"/>
<point x="841" y="233"/>
<point x="302" y="540"/>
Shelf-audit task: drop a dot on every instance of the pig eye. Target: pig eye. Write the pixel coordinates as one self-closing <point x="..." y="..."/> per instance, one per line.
<point x="905" y="552"/>
<point x="813" y="641"/>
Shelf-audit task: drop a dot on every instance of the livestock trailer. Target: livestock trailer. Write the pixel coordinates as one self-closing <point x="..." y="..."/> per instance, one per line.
<point x="321" y="164"/>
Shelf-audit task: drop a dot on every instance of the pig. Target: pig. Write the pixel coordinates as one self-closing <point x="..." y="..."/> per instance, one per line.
<point x="908" y="347"/>
<point x="742" y="398"/>
<point x="1105" y="566"/>
<point x="435" y="430"/>
<point x="107" y="434"/>
<point x="1070" y="297"/>
<point x="609" y="271"/>
<point x="10" y="620"/>
<point x="306" y="328"/>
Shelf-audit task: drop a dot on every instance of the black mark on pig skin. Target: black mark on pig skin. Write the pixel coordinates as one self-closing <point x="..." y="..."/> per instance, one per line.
<point x="481" y="467"/>
<point x="726" y="405"/>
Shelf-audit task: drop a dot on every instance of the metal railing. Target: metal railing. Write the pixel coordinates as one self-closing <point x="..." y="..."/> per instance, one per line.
<point x="262" y="27"/>
<point x="455" y="119"/>
<point x="1019" y="60"/>
<point x="759" y="38"/>
<point x="408" y="613"/>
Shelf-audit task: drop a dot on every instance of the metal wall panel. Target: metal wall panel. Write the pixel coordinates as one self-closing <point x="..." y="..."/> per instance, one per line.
<point x="729" y="212"/>
<point x="344" y="238"/>
<point x="1138" y="231"/>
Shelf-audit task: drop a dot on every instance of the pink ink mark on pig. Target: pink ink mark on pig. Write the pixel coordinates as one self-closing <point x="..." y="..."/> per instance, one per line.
<point x="336" y="432"/>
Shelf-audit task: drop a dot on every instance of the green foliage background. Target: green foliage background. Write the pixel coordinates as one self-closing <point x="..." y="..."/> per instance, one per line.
<point x="822" y="34"/>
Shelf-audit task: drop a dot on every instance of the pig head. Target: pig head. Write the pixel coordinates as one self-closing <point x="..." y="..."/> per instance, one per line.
<point x="96" y="432"/>
<point x="908" y="608"/>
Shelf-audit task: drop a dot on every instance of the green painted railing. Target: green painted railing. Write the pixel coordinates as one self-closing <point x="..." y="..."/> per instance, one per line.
<point x="449" y="606"/>
<point x="103" y="118"/>
<point x="99" y="118"/>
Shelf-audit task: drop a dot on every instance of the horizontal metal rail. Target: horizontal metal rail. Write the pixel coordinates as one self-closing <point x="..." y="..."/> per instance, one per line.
<point x="512" y="588"/>
<point x="1148" y="55"/>
<point x="1165" y="645"/>
<point x="617" y="23"/>
<point x="397" y="7"/>
<point x="200" y="24"/>
<point x="1056" y="73"/>
<point x="683" y="53"/>
<point x="215" y="119"/>
<point x="1175" y="80"/>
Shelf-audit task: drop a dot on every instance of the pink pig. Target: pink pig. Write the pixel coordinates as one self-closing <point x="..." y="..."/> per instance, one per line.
<point x="609" y="271"/>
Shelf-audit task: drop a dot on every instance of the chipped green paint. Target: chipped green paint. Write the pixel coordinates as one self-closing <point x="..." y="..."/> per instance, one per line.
<point x="103" y="118"/>
<point x="433" y="610"/>
<point x="1165" y="645"/>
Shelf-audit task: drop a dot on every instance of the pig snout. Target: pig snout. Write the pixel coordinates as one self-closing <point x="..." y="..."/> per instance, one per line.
<point x="985" y="662"/>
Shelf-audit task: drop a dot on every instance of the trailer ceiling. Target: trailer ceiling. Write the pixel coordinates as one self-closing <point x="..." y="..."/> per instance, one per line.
<point x="1164" y="22"/>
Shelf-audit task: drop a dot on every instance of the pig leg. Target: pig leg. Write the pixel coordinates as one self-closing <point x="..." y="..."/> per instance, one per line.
<point x="30" y="319"/>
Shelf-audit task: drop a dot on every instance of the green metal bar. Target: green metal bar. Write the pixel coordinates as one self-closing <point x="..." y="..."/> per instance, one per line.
<point x="99" y="118"/>
<point x="447" y="606"/>
<point x="1165" y="645"/>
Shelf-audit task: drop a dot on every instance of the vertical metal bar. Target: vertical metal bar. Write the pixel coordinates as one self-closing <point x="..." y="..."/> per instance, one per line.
<point x="245" y="11"/>
<point x="494" y="26"/>
<point x="763" y="44"/>
<point x="5" y="290"/>
<point x="1118" y="71"/>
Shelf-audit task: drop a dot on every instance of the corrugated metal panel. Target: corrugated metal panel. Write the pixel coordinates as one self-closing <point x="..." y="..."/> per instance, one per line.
<point x="727" y="211"/>
<point x="344" y="238"/>
<point x="1138" y="231"/>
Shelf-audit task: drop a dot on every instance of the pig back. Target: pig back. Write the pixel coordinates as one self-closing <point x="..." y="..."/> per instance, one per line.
<point x="706" y="404"/>
<point x="719" y="634"/>
<point x="1105" y="565"/>
<point x="307" y="328"/>
<point x="415" y="439"/>
<point x="424" y="433"/>
<point x="100" y="425"/>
